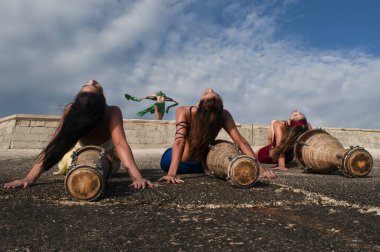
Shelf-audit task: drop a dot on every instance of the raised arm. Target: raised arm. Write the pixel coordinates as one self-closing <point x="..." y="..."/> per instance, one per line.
<point x="230" y="127"/>
<point x="178" y="146"/>
<point x="150" y="97"/>
<point x="175" y="103"/>
<point x="123" y="149"/>
<point x="170" y="99"/>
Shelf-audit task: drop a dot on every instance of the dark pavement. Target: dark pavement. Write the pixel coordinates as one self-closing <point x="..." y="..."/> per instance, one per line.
<point x="295" y="212"/>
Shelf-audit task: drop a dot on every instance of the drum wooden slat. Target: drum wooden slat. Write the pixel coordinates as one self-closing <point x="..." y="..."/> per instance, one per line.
<point x="319" y="152"/>
<point x="225" y="161"/>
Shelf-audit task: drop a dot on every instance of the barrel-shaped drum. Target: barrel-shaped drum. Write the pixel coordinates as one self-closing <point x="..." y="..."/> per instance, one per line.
<point x="226" y="161"/>
<point x="319" y="152"/>
<point x="88" y="173"/>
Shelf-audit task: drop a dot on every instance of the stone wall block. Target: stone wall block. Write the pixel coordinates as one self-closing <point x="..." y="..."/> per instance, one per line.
<point x="42" y="130"/>
<point x="7" y="127"/>
<point x="4" y="145"/>
<point x="24" y="123"/>
<point x="25" y="137"/>
<point x="51" y="124"/>
<point x="37" y="124"/>
<point x="22" y="130"/>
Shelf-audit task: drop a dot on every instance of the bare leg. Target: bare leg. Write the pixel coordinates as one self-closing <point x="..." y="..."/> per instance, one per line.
<point x="159" y="115"/>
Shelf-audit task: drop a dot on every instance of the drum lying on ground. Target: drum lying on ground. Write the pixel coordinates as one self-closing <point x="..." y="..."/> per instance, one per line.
<point x="225" y="160"/>
<point x="319" y="152"/>
<point x="88" y="173"/>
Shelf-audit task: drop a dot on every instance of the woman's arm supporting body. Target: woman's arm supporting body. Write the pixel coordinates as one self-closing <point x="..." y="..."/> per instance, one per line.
<point x="36" y="170"/>
<point x="178" y="147"/>
<point x="278" y="128"/>
<point x="123" y="149"/>
<point x="230" y="127"/>
<point x="34" y="173"/>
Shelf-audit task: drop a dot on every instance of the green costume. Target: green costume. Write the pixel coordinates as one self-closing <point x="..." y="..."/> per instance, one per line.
<point x="161" y="108"/>
<point x="130" y="97"/>
<point x="151" y="109"/>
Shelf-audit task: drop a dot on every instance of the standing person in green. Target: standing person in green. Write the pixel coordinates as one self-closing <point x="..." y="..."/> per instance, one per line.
<point x="158" y="108"/>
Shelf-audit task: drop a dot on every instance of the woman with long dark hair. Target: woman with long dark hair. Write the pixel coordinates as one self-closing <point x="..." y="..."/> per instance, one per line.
<point x="88" y="120"/>
<point x="196" y="128"/>
<point x="282" y="135"/>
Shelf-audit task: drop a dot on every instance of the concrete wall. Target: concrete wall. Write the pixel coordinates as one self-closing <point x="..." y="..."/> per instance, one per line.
<point x="34" y="131"/>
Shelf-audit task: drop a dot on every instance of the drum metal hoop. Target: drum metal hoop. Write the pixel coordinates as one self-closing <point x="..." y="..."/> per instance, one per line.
<point x="302" y="143"/>
<point x="74" y="158"/>
<point x="97" y="171"/>
<point x="98" y="164"/>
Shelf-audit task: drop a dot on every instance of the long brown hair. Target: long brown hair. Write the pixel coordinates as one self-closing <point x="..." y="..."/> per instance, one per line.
<point x="82" y="116"/>
<point x="206" y="126"/>
<point x="292" y="132"/>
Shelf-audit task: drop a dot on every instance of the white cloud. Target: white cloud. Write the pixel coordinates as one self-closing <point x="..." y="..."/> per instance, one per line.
<point x="181" y="48"/>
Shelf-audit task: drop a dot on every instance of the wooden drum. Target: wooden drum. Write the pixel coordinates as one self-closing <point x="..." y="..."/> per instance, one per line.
<point x="88" y="173"/>
<point x="226" y="161"/>
<point x="319" y="152"/>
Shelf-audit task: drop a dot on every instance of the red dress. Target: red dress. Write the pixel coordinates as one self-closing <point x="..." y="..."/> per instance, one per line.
<point x="263" y="154"/>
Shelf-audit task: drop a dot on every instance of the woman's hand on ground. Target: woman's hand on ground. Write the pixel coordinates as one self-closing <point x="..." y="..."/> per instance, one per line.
<point x="141" y="183"/>
<point x="24" y="183"/>
<point x="281" y="168"/>
<point x="171" y="179"/>
<point x="265" y="173"/>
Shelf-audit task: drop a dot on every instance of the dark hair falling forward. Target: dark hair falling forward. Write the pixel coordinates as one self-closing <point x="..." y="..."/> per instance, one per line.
<point x="207" y="124"/>
<point x="82" y="116"/>
<point x="292" y="132"/>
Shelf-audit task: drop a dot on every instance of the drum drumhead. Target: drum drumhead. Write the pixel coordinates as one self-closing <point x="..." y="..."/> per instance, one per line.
<point x="84" y="183"/>
<point x="244" y="171"/>
<point x="358" y="163"/>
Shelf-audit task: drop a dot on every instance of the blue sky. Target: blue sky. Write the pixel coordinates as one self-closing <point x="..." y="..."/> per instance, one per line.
<point x="266" y="58"/>
<point x="336" y="24"/>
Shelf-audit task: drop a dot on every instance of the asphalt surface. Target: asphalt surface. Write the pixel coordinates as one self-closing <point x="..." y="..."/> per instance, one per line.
<point x="297" y="211"/>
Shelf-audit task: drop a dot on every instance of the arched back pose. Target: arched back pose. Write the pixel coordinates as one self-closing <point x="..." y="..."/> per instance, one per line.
<point x="88" y="120"/>
<point x="196" y="128"/>
<point x="282" y="136"/>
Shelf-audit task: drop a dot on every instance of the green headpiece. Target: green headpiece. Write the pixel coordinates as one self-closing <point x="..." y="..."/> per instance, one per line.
<point x="160" y="93"/>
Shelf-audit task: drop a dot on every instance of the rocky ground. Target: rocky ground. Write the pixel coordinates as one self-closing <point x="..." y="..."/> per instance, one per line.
<point x="297" y="211"/>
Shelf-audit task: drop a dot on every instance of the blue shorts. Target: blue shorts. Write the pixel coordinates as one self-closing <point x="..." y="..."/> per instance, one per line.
<point x="184" y="167"/>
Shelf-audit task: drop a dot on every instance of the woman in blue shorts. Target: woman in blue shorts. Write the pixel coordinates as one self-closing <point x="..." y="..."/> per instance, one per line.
<point x="196" y="128"/>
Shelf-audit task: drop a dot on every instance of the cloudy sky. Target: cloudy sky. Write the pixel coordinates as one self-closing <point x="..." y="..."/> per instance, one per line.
<point x="266" y="58"/>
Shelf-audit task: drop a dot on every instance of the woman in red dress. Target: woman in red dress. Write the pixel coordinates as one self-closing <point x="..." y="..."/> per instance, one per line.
<point x="282" y="136"/>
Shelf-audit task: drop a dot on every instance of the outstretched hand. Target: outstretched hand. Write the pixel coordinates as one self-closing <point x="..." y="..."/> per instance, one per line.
<point x="141" y="183"/>
<point x="280" y="168"/>
<point x="265" y="173"/>
<point x="171" y="179"/>
<point x="24" y="183"/>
